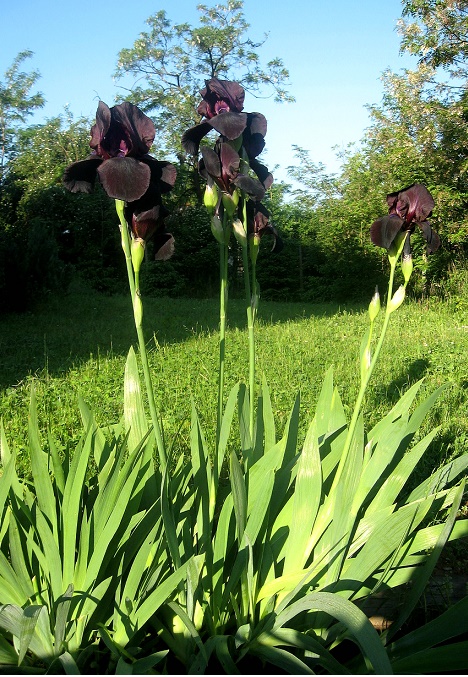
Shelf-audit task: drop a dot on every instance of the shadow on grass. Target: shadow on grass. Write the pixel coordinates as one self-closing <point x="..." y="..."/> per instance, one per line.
<point x="64" y="331"/>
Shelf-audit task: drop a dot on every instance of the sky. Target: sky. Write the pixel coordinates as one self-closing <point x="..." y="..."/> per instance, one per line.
<point x="335" y="52"/>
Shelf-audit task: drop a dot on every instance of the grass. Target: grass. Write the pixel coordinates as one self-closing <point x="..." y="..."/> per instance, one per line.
<point x="78" y="344"/>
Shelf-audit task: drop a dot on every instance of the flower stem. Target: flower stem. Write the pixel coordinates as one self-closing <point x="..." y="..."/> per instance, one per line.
<point x="133" y="280"/>
<point x="223" y="299"/>
<point x="251" y="334"/>
<point x="366" y="379"/>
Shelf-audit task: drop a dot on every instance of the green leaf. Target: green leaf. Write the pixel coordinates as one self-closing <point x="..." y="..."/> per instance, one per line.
<point x="8" y="655"/>
<point x="444" y="660"/>
<point x="347" y="613"/>
<point x="306" y="500"/>
<point x="452" y="623"/>
<point x="40" y="468"/>
<point x="158" y="597"/>
<point x="226" y="425"/>
<point x="239" y="495"/>
<point x="136" y="424"/>
<point x="419" y="581"/>
<point x="70" y="513"/>
<point x="202" y="478"/>
<point x="304" y="642"/>
<point x="282" y="659"/>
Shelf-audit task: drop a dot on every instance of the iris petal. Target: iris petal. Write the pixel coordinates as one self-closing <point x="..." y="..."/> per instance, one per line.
<point x="431" y="237"/>
<point x="211" y="162"/>
<point x="164" y="246"/>
<point x="384" y="230"/>
<point x="262" y="172"/>
<point x="80" y="176"/>
<point x="230" y="125"/>
<point x="192" y="137"/>
<point x="252" y="187"/>
<point x="124" y="178"/>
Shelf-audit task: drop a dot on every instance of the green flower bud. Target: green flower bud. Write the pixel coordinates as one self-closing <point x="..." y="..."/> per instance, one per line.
<point x="374" y="305"/>
<point x="239" y="232"/>
<point x="254" y="246"/>
<point x="138" y="310"/>
<point x="407" y="267"/>
<point x="210" y="198"/>
<point x="366" y="359"/>
<point x="138" y="253"/>
<point x="221" y="235"/>
<point x="397" y="299"/>
<point x="230" y="203"/>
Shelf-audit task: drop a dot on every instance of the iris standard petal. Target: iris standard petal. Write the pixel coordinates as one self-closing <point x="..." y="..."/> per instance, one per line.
<point x="414" y="203"/>
<point x="384" y="230"/>
<point x="138" y="127"/>
<point x="216" y="91"/>
<point x="80" y="176"/>
<point x="124" y="178"/>
<point x="99" y="130"/>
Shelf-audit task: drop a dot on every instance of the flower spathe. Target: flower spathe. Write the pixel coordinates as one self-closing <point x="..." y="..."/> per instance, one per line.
<point x="407" y="209"/>
<point x="120" y="141"/>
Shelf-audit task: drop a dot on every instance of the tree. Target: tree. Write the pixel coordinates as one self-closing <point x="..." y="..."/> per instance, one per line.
<point x="172" y="61"/>
<point x="437" y="32"/>
<point x="16" y="104"/>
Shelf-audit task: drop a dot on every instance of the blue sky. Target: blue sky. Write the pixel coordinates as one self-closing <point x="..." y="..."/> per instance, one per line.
<point x="335" y="52"/>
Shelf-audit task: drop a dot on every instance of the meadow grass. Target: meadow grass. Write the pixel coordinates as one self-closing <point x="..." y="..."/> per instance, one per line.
<point x="78" y="344"/>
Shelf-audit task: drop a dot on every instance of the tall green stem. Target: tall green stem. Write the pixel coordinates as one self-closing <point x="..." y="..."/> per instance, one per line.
<point x="223" y="298"/>
<point x="133" y="281"/>
<point x="365" y="381"/>
<point x="250" y="327"/>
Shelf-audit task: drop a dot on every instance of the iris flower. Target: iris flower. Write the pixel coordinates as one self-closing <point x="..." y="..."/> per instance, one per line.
<point x="407" y="209"/>
<point x="258" y="223"/>
<point x="241" y="140"/>
<point x="120" y="141"/>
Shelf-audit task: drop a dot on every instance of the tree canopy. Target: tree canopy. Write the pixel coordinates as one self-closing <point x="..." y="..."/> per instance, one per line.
<point x="170" y="63"/>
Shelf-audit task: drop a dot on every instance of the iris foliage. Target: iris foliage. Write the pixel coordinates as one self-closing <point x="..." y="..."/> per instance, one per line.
<point x="255" y="554"/>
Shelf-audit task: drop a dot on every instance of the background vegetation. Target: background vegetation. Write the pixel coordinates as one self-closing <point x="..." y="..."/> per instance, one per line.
<point x="417" y="133"/>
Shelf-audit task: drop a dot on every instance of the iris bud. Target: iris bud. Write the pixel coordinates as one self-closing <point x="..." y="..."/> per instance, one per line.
<point x="210" y="198"/>
<point x="138" y="253"/>
<point x="138" y="310"/>
<point x="407" y="267"/>
<point x="397" y="299"/>
<point x="374" y="305"/>
<point x="239" y="232"/>
<point x="254" y="243"/>
<point x="230" y="203"/>
<point x="221" y="235"/>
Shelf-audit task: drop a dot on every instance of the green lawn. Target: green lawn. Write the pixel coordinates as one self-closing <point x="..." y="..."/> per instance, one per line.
<point x="78" y="344"/>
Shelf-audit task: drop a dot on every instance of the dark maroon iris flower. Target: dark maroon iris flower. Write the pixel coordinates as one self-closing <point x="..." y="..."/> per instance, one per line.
<point x="221" y="108"/>
<point x="120" y="141"/>
<point x="258" y="224"/>
<point x="407" y="209"/>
